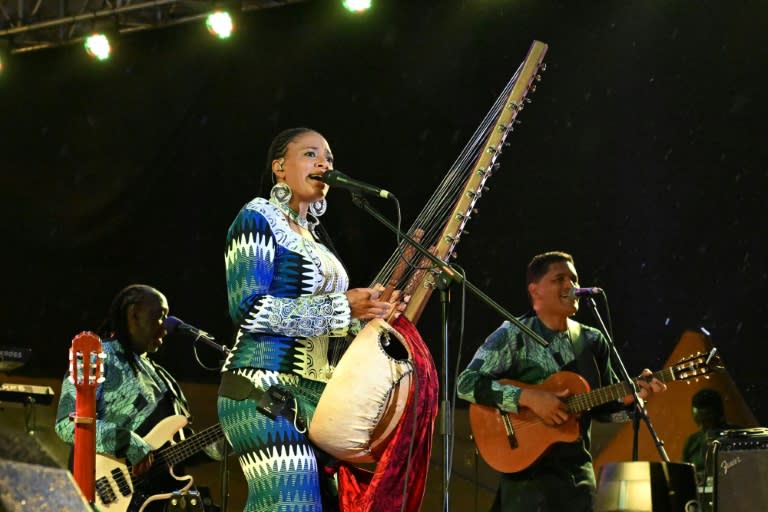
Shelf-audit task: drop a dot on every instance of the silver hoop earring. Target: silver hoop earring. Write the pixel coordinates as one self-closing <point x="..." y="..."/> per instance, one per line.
<point x="317" y="209"/>
<point x="280" y="193"/>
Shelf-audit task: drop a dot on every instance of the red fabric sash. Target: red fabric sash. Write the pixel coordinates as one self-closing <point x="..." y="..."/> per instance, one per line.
<point x="394" y="479"/>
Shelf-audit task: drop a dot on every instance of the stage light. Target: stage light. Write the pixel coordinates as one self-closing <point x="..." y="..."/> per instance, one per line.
<point x="97" y="46"/>
<point x="220" y="24"/>
<point x="357" y="5"/>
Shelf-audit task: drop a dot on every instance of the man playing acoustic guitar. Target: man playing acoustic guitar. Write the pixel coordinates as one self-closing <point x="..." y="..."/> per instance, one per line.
<point x="554" y="474"/>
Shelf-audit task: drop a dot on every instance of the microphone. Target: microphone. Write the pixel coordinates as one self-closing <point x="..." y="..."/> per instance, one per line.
<point x="578" y="292"/>
<point x="173" y="324"/>
<point x="336" y="178"/>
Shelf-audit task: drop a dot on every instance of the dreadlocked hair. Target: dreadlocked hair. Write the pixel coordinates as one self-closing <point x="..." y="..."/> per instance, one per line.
<point x="115" y="325"/>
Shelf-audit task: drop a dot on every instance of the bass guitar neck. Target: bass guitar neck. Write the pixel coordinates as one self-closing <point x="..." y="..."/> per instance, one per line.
<point x="117" y="490"/>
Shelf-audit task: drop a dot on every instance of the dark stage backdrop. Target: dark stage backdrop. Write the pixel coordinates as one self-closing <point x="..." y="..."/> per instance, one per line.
<point x="643" y="154"/>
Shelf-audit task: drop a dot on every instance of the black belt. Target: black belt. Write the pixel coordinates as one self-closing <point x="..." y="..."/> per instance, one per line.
<point x="237" y="387"/>
<point x="273" y="402"/>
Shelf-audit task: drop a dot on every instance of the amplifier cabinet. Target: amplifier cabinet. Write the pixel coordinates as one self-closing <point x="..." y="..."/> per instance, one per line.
<point x="741" y="471"/>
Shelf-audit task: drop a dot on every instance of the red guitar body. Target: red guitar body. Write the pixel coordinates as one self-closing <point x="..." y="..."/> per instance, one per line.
<point x="85" y="367"/>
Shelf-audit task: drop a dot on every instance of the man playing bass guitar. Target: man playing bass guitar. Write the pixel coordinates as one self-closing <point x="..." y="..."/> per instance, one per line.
<point x="140" y="408"/>
<point x="561" y="478"/>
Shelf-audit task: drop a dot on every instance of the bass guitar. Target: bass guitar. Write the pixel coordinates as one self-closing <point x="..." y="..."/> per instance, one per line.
<point x="511" y="442"/>
<point x="118" y="491"/>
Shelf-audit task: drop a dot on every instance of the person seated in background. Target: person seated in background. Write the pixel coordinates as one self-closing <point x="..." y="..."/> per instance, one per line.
<point x="135" y="397"/>
<point x="709" y="414"/>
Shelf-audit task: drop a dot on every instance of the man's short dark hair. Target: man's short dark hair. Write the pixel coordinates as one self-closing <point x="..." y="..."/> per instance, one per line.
<point x="539" y="265"/>
<point x="710" y="400"/>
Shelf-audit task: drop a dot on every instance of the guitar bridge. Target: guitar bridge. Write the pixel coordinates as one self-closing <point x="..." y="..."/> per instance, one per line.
<point x="510" y="430"/>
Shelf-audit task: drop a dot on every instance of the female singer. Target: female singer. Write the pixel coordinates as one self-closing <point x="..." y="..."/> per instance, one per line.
<point x="287" y="294"/>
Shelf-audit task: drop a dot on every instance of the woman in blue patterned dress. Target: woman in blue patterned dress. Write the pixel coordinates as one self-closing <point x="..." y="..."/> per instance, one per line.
<point x="288" y="296"/>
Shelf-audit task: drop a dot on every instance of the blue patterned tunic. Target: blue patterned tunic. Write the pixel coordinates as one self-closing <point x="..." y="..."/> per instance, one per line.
<point x="285" y="293"/>
<point x="286" y="296"/>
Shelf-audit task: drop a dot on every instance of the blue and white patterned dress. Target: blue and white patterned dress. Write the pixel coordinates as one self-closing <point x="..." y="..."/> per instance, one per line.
<point x="286" y="295"/>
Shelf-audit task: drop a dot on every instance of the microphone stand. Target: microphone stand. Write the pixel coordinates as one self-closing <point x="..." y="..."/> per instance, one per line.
<point x="446" y="275"/>
<point x="639" y="409"/>
<point x="209" y="341"/>
<point x="224" y="475"/>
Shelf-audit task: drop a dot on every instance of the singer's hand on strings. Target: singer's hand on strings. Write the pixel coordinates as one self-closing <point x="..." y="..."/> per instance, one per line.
<point x="365" y="303"/>
<point x="399" y="302"/>
<point x="548" y="406"/>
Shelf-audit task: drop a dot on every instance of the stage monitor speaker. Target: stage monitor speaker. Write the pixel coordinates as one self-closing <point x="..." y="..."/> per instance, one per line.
<point x="643" y="486"/>
<point x="32" y="488"/>
<point x="741" y="471"/>
<point x="23" y="447"/>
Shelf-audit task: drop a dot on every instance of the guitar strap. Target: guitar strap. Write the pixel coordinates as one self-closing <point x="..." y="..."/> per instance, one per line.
<point x="585" y="362"/>
<point x="180" y="404"/>
<point x="581" y="363"/>
<point x="574" y="331"/>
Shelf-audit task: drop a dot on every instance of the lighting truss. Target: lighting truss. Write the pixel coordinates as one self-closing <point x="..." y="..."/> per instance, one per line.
<point x="28" y="25"/>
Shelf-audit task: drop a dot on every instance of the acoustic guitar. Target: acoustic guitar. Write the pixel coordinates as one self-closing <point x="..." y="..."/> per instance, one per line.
<point x="86" y="365"/>
<point x="511" y="442"/>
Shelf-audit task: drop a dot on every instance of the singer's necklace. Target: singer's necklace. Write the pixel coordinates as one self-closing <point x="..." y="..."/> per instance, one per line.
<point x="291" y="214"/>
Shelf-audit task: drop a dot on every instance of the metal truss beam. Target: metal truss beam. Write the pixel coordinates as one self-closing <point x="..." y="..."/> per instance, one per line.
<point x="28" y="25"/>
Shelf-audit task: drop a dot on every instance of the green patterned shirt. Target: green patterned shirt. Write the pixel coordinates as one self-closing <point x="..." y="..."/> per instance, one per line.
<point x="508" y="353"/>
<point x="128" y="405"/>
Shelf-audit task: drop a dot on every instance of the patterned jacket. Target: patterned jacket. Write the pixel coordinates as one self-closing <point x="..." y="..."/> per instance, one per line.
<point x="125" y="401"/>
<point x="508" y="353"/>
<point x="285" y="293"/>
